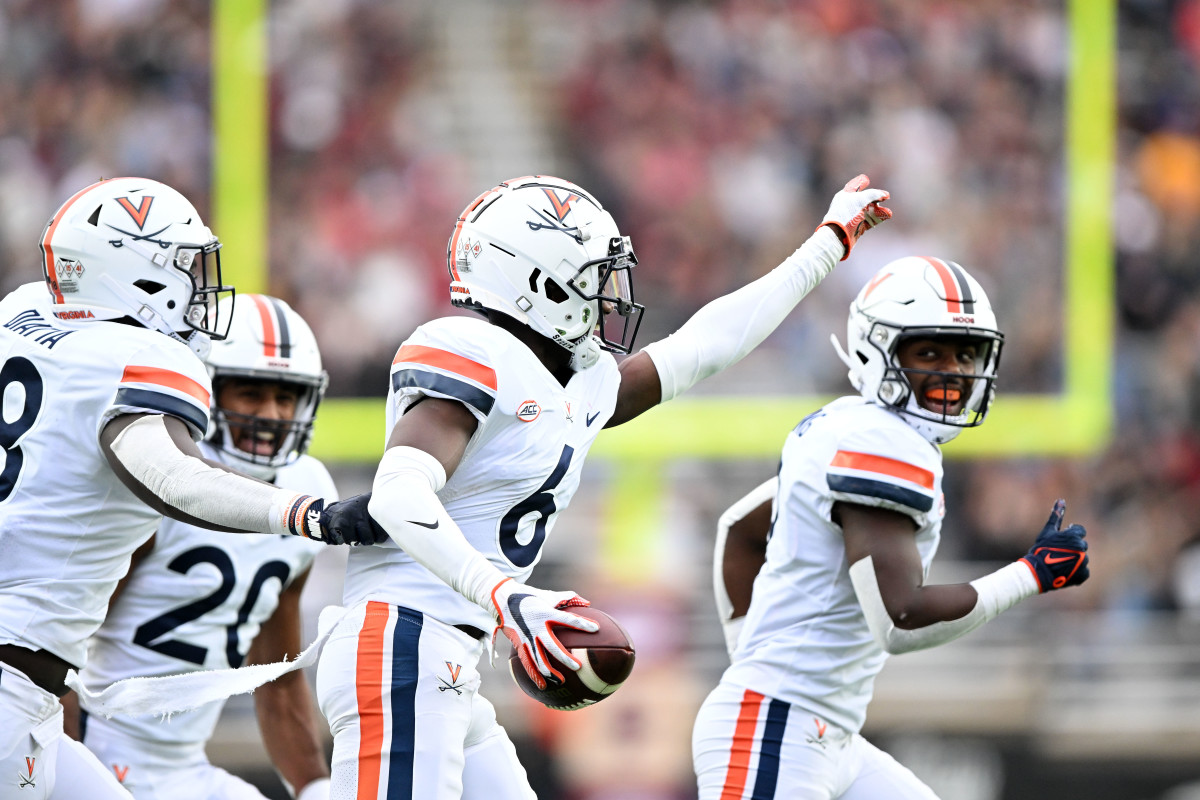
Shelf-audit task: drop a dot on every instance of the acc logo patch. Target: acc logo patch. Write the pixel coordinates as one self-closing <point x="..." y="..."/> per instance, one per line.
<point x="528" y="411"/>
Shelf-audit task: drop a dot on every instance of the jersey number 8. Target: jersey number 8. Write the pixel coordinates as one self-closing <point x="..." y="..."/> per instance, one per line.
<point x="17" y="372"/>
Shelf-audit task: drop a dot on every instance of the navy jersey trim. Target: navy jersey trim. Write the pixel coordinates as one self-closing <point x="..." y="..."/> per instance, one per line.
<point x="478" y="399"/>
<point x="882" y="490"/>
<point x="163" y="404"/>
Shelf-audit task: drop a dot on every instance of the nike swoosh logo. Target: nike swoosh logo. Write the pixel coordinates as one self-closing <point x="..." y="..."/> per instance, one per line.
<point x="592" y="418"/>
<point x="431" y="525"/>
<point x="1060" y="559"/>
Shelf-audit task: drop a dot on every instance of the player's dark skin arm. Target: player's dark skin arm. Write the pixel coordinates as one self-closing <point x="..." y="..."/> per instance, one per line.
<point x="640" y="391"/>
<point x="640" y="388"/>
<point x="744" y="554"/>
<point x="284" y="706"/>
<point x="183" y="440"/>
<point x="70" y="701"/>
<point x="442" y="428"/>
<point x="889" y="538"/>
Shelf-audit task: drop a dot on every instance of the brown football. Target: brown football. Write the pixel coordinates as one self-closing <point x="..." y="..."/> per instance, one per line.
<point x="607" y="657"/>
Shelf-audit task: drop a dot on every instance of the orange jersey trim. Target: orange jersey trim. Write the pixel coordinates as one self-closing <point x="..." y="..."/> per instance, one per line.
<point x="883" y="466"/>
<point x="451" y="362"/>
<point x="167" y="378"/>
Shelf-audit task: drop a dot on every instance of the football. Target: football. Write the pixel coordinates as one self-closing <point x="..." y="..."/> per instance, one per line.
<point x="607" y="657"/>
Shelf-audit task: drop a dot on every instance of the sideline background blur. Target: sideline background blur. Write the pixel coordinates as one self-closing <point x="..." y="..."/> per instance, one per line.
<point x="715" y="133"/>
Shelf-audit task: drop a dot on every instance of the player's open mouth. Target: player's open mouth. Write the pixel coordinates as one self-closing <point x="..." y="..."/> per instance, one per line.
<point x="262" y="443"/>
<point x="943" y="399"/>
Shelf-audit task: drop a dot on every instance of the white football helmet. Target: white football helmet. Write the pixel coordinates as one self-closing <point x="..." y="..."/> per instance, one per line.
<point x="135" y="248"/>
<point x="267" y="341"/>
<point x="928" y="298"/>
<point x="543" y="251"/>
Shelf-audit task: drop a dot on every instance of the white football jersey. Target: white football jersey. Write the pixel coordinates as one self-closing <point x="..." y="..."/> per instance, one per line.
<point x="805" y="639"/>
<point x="196" y="601"/>
<point x="67" y="523"/>
<point x="521" y="467"/>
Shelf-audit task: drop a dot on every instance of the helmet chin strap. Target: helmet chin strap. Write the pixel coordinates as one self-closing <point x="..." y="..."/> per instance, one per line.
<point x="152" y="319"/>
<point x="933" y="431"/>
<point x="585" y="354"/>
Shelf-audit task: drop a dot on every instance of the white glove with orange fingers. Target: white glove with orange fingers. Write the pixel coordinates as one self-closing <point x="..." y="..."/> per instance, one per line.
<point x="855" y="210"/>
<point x="527" y="616"/>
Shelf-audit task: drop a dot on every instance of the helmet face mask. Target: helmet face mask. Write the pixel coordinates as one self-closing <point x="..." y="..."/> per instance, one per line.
<point x="919" y="298"/>
<point x="135" y="248"/>
<point x="614" y="294"/>
<point x="543" y="251"/>
<point x="269" y="346"/>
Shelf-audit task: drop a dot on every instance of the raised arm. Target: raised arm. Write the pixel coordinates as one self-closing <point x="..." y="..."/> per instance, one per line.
<point x="904" y="614"/>
<point x="722" y="332"/>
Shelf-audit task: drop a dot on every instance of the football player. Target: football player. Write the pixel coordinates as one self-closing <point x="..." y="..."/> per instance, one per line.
<point x="196" y="599"/>
<point x="489" y="421"/>
<point x="820" y="572"/>
<point x="103" y="400"/>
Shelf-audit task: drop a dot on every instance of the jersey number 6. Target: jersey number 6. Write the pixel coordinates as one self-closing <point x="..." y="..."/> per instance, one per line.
<point x="540" y="502"/>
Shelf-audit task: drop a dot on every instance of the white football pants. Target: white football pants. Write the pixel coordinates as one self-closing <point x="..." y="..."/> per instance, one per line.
<point x="158" y="771"/>
<point x="400" y="691"/>
<point x="746" y="746"/>
<point x="38" y="761"/>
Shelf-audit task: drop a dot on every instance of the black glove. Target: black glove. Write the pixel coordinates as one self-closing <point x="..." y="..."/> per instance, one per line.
<point x="347" y="522"/>
<point x="1059" y="558"/>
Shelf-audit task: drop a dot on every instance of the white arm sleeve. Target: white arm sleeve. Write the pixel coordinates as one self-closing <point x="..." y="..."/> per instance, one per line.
<point x="998" y="592"/>
<point x="757" y="496"/>
<point x="405" y="503"/>
<point x="146" y="450"/>
<point x="724" y="331"/>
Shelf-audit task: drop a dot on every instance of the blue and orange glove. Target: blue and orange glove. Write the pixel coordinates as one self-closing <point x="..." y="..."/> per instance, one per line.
<point x="528" y="616"/>
<point x="1059" y="557"/>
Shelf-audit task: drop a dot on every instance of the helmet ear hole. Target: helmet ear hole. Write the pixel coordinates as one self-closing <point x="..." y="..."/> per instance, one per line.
<point x="149" y="287"/>
<point x="862" y="356"/>
<point x="555" y="293"/>
<point x="94" y="219"/>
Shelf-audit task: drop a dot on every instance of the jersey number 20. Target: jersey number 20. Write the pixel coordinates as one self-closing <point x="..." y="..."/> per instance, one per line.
<point x="150" y="634"/>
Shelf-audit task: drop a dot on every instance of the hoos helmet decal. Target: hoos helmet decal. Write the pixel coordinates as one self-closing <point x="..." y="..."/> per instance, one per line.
<point x="544" y="252"/>
<point x="925" y="298"/>
<point x="268" y="342"/>
<point x="136" y="248"/>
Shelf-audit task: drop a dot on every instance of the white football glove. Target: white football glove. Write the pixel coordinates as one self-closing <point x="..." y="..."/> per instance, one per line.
<point x="855" y="210"/>
<point x="525" y="615"/>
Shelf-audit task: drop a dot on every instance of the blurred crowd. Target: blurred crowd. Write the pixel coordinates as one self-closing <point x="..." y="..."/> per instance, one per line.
<point x="715" y="132"/>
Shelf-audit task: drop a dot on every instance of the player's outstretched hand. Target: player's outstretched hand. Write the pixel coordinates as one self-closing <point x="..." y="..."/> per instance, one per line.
<point x="527" y="616"/>
<point x="1059" y="557"/>
<point x="855" y="210"/>
<point x="347" y="522"/>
